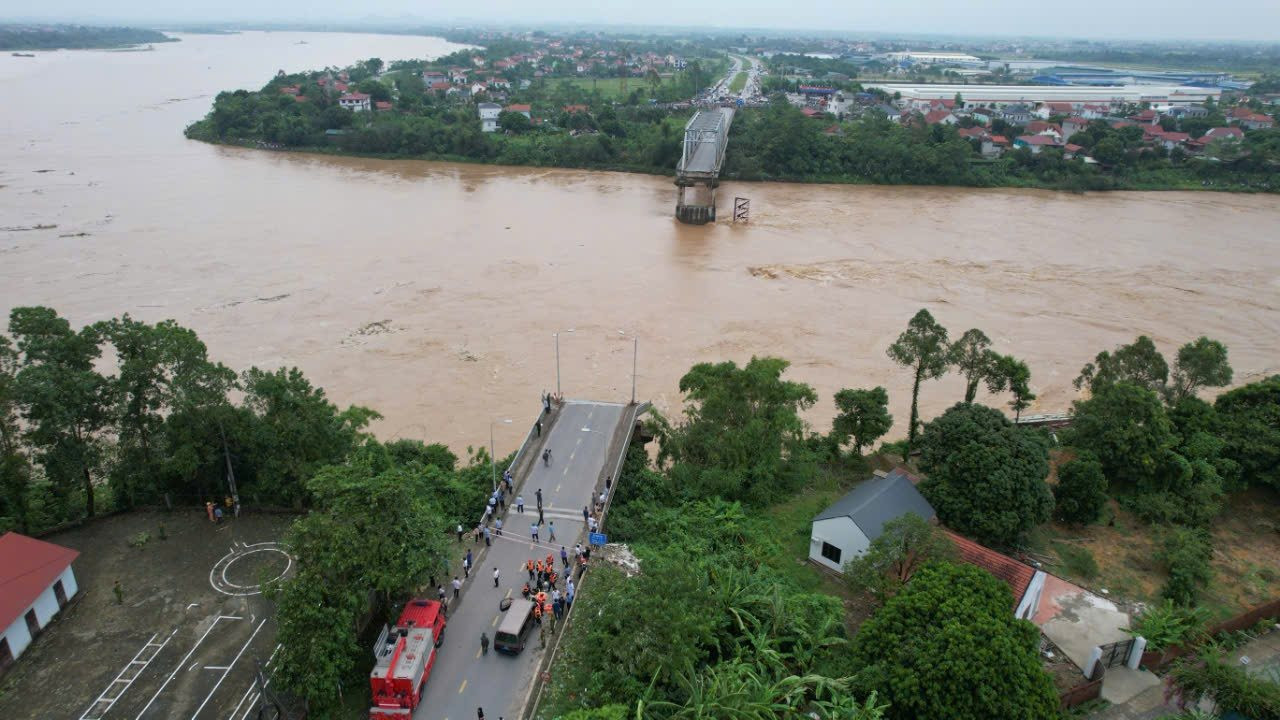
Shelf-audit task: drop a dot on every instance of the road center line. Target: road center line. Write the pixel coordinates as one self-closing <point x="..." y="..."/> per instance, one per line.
<point x="462" y="687"/>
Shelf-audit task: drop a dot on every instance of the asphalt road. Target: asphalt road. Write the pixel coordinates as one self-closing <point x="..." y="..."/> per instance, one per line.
<point x="463" y="680"/>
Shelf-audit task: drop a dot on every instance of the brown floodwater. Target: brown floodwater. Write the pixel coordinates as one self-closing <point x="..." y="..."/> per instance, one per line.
<point x="431" y="291"/>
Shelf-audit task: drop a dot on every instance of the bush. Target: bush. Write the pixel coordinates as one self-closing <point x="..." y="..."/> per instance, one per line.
<point x="1167" y="624"/>
<point x="1186" y="555"/>
<point x="1081" y="492"/>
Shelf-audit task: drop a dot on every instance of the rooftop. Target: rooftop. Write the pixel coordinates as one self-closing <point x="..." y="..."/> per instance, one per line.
<point x="1013" y="573"/>
<point x="879" y="500"/>
<point x="27" y="567"/>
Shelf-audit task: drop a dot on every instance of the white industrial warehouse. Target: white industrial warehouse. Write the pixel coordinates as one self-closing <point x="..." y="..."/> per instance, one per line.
<point x="1002" y="95"/>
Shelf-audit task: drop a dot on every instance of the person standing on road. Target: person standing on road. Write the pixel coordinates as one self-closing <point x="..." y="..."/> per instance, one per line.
<point x="459" y="532"/>
<point x="539" y="495"/>
<point x="495" y="577"/>
<point x="533" y="530"/>
<point x="486" y="536"/>
<point x="484" y="644"/>
<point x="479" y="713"/>
<point x="520" y="504"/>
<point x="466" y="564"/>
<point x="551" y="531"/>
<point x="564" y="556"/>
<point x="457" y="587"/>
<point x="541" y="518"/>
<point x="586" y="515"/>
<point x="497" y="527"/>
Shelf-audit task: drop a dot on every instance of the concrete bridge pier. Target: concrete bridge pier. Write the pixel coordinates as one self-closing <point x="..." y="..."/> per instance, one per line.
<point x="696" y="201"/>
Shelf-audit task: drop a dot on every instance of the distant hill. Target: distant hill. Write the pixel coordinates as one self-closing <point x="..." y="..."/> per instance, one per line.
<point x="75" y="37"/>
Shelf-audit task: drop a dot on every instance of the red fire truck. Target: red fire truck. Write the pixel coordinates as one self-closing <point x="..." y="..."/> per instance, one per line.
<point x="405" y="655"/>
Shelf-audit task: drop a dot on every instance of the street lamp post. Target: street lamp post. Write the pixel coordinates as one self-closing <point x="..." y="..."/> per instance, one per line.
<point x="635" y="351"/>
<point x="557" y="337"/>
<point x="493" y="458"/>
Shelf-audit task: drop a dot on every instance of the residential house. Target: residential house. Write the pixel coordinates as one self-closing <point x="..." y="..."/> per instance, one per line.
<point x="1040" y="127"/>
<point x="1060" y="108"/>
<point x="573" y="109"/>
<point x="940" y="117"/>
<point x="973" y="133"/>
<point x="994" y="146"/>
<point x="1225" y="134"/>
<point x="525" y="110"/>
<point x="355" y="102"/>
<point x="431" y="77"/>
<point x="489" y="116"/>
<point x="497" y="82"/>
<point x="440" y="86"/>
<point x="1071" y="150"/>
<point x="983" y="115"/>
<point x="1016" y="114"/>
<point x="1072" y="125"/>
<point x="1251" y="120"/>
<point x="845" y="530"/>
<point x="478" y="88"/>
<point x="36" y="582"/>
<point x="382" y="105"/>
<point x="1146" y="117"/>
<point x="1036" y="143"/>
<point x="890" y="112"/>
<point x="1094" y="111"/>
<point x="809" y="111"/>
<point x="1171" y="140"/>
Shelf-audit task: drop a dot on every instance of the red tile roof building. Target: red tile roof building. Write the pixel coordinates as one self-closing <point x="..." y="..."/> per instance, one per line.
<point x="1011" y="572"/>
<point x="36" y="582"/>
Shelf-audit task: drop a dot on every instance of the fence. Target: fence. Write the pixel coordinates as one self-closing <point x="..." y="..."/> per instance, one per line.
<point x="1156" y="661"/>
<point x="1090" y="689"/>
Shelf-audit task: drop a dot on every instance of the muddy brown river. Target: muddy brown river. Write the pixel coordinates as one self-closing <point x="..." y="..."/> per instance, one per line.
<point x="431" y="291"/>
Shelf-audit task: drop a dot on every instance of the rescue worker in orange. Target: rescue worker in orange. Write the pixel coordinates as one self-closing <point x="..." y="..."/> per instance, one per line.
<point x="525" y="592"/>
<point x="537" y="613"/>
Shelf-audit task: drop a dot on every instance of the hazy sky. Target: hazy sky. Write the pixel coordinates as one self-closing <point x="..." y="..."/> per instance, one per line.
<point x="1193" y="19"/>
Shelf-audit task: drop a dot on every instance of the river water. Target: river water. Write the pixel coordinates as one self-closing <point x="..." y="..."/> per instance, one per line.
<point x="431" y="291"/>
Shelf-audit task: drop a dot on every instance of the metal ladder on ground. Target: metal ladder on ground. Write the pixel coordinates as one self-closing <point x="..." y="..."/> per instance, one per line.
<point x="125" y="678"/>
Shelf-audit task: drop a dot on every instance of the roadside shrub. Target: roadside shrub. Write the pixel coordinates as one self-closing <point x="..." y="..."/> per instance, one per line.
<point x="1186" y="556"/>
<point x="1081" y="491"/>
<point x="1229" y="686"/>
<point x="1167" y="624"/>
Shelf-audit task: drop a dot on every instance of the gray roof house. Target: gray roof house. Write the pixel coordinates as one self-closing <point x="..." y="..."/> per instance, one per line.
<point x="846" y="528"/>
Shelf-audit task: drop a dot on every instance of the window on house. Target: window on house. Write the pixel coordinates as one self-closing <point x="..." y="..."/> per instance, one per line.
<point x="6" y="654"/>
<point x="33" y="625"/>
<point x="831" y="552"/>
<point x="61" y="593"/>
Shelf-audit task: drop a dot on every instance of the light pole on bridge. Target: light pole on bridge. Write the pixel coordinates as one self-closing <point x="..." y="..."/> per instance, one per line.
<point x="493" y="458"/>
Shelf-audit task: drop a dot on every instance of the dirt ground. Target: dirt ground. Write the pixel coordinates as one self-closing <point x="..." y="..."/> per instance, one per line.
<point x="176" y="645"/>
<point x="1246" y="543"/>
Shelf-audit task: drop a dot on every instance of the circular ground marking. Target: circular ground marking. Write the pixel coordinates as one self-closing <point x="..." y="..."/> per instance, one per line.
<point x="241" y="571"/>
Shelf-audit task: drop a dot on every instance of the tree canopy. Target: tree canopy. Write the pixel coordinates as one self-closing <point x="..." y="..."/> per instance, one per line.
<point x="922" y="348"/>
<point x="742" y="433"/>
<point x="1081" y="492"/>
<point x="1250" y="429"/>
<point x="863" y="416"/>
<point x="985" y="476"/>
<point x="948" y="646"/>
<point x="904" y="546"/>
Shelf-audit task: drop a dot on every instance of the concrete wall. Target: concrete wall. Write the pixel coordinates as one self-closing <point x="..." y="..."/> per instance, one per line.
<point x="46" y="607"/>
<point x="841" y="532"/>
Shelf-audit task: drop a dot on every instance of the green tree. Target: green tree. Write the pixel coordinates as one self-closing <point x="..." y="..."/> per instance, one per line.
<point x="63" y="399"/>
<point x="1202" y="363"/>
<point x="742" y="433"/>
<point x="161" y="367"/>
<point x="514" y="122"/>
<point x="1250" y="429"/>
<point x="295" y="431"/>
<point x="863" y="416"/>
<point x="973" y="358"/>
<point x="922" y="347"/>
<point x="1139" y="364"/>
<point x="15" y="470"/>
<point x="948" y="646"/>
<point x="1081" y="492"/>
<point x="1125" y="426"/>
<point x="1013" y="375"/>
<point x="904" y="546"/>
<point x="986" y="477"/>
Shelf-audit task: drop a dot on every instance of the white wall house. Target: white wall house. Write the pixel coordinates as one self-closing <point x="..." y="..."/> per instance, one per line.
<point x="845" y="529"/>
<point x="489" y="116"/>
<point x="36" y="582"/>
<point x="355" y="102"/>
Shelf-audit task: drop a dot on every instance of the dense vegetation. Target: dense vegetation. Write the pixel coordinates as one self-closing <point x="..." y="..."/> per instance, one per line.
<point x="75" y="37"/>
<point x="623" y="130"/>
<point x="162" y="428"/>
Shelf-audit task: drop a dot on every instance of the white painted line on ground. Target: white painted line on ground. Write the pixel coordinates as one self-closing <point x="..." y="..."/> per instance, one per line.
<point x="228" y="670"/>
<point x="182" y="662"/>
<point x="111" y="701"/>
<point x="249" y="690"/>
<point x="217" y="667"/>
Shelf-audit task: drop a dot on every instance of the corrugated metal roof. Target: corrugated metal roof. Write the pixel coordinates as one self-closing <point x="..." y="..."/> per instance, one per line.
<point x="878" y="501"/>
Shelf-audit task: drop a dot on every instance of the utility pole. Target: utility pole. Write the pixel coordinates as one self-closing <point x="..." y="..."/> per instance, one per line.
<point x="231" y="475"/>
<point x="635" y="351"/>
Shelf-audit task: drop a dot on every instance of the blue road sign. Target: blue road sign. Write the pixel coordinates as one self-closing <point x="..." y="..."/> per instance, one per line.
<point x="597" y="538"/>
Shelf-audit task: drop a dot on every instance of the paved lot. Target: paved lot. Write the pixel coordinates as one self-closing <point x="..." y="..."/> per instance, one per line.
<point x="183" y="643"/>
<point x="463" y="679"/>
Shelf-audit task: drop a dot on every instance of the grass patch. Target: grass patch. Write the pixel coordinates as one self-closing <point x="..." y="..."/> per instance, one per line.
<point x="739" y="81"/>
<point x="1077" y="560"/>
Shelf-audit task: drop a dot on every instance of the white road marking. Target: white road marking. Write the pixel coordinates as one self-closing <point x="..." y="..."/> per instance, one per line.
<point x="111" y="701"/>
<point x="217" y="667"/>
<point x="228" y="670"/>
<point x="182" y="662"/>
<point x="244" y="697"/>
